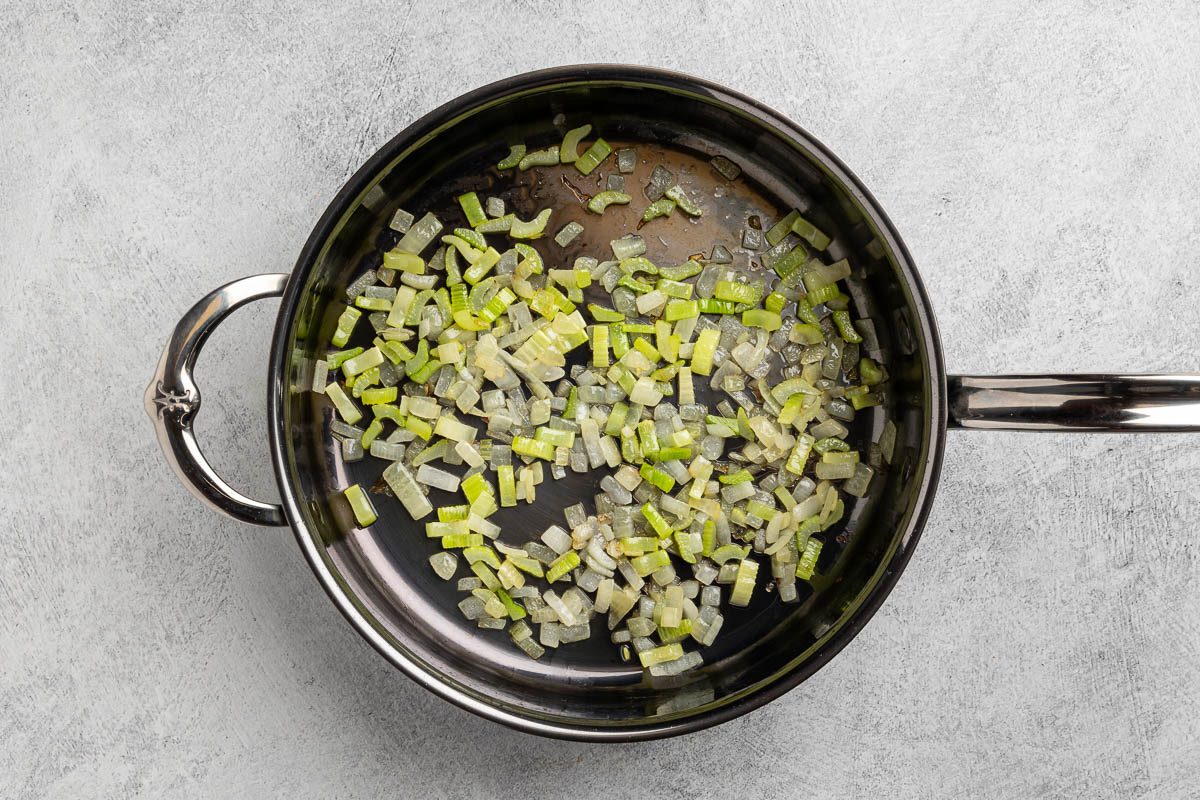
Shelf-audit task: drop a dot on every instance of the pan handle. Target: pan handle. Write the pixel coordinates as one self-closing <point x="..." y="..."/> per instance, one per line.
<point x="172" y="399"/>
<point x="1081" y="403"/>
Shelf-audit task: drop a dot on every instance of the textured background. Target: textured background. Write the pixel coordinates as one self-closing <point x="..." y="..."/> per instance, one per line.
<point x="1042" y="163"/>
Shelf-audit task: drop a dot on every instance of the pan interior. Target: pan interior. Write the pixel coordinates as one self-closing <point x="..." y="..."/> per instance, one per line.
<point x="384" y="570"/>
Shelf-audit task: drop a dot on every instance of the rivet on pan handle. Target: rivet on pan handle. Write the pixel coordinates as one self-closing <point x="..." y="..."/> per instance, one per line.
<point x="1082" y="403"/>
<point x="172" y="399"/>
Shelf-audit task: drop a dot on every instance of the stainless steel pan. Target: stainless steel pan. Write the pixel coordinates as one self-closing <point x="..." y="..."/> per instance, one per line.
<point x="380" y="578"/>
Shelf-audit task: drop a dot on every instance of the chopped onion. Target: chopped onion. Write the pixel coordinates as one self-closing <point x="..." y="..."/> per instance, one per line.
<point x="539" y="158"/>
<point x="401" y="221"/>
<point x="509" y="346"/>
<point x="593" y="157"/>
<point x="360" y="504"/>
<point x="407" y="490"/>
<point x="604" y="199"/>
<point x="727" y="169"/>
<point x="437" y="479"/>
<point x="418" y="237"/>
<point x="626" y="159"/>
<point x="444" y="564"/>
<point x="628" y="246"/>
<point x="568" y="233"/>
<point x="569" y="149"/>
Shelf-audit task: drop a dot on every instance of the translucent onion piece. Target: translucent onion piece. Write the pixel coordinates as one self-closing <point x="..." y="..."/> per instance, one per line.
<point x="418" y="237"/>
<point x="437" y="479"/>
<point x="444" y="565"/>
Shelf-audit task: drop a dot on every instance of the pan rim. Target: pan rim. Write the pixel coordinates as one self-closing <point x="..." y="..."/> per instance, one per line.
<point x="905" y="539"/>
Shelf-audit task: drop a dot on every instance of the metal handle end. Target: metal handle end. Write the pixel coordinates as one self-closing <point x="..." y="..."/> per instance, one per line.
<point x="172" y="399"/>
<point x="1082" y="403"/>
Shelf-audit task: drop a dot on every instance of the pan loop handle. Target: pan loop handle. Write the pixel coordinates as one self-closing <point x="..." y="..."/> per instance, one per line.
<point x="1082" y="403"/>
<point x="172" y="399"/>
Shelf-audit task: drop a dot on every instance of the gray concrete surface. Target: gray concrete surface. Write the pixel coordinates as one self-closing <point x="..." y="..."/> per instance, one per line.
<point x="1041" y="161"/>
